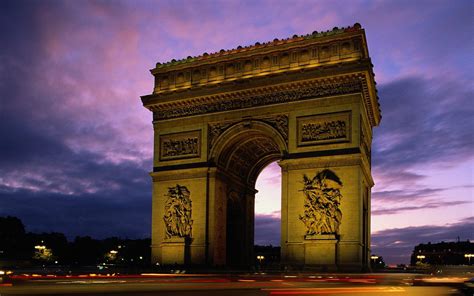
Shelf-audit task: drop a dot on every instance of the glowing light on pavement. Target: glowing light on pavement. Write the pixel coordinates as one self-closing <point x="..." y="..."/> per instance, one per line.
<point x="319" y="291"/>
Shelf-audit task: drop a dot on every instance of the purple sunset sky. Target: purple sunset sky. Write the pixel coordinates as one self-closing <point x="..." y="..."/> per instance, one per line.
<point x="76" y="143"/>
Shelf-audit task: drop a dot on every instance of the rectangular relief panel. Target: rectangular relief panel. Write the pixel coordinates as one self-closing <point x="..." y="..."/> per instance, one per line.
<point x="180" y="145"/>
<point x="324" y="129"/>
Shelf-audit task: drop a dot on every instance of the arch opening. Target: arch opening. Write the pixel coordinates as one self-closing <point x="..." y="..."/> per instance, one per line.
<point x="240" y="156"/>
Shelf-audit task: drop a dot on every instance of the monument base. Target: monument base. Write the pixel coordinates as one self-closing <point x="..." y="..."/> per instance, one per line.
<point x="321" y="251"/>
<point x="174" y="250"/>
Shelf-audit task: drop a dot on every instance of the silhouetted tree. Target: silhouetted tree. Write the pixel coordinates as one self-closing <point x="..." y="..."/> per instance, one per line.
<point x="13" y="240"/>
<point x="86" y="251"/>
<point x="16" y="244"/>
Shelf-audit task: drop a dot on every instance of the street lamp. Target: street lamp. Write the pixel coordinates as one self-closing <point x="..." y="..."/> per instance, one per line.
<point x="260" y="259"/>
<point x="420" y="257"/>
<point x="469" y="256"/>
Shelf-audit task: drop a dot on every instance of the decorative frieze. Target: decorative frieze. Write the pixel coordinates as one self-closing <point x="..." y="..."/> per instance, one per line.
<point x="324" y="129"/>
<point x="198" y="106"/>
<point x="178" y="209"/>
<point x="321" y="205"/>
<point x="180" y="145"/>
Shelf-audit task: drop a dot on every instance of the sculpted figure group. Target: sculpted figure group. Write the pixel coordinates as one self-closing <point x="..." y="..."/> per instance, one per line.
<point x="177" y="216"/>
<point x="321" y="209"/>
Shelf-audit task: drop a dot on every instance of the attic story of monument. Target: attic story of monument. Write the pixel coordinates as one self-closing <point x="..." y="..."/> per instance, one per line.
<point x="308" y="102"/>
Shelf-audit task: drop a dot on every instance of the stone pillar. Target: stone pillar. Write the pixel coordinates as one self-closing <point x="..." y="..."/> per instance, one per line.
<point x="188" y="245"/>
<point x="317" y="244"/>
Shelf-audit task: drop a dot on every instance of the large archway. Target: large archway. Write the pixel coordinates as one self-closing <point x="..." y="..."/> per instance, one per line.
<point x="240" y="154"/>
<point x="309" y="102"/>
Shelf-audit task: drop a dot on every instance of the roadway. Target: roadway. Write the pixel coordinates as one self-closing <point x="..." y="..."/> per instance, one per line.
<point x="230" y="285"/>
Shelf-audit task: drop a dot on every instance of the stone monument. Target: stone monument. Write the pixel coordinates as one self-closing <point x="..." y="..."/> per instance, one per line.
<point x="308" y="102"/>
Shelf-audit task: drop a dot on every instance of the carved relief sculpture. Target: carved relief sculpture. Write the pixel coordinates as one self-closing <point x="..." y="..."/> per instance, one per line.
<point x="321" y="207"/>
<point x="180" y="145"/>
<point x="177" y="216"/>
<point x="324" y="129"/>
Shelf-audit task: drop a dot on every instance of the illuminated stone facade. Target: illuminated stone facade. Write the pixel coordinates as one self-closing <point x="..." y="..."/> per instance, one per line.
<point x="308" y="102"/>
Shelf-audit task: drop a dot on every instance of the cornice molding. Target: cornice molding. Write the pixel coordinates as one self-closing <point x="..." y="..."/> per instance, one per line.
<point x="235" y="79"/>
<point x="258" y="48"/>
<point x="274" y="94"/>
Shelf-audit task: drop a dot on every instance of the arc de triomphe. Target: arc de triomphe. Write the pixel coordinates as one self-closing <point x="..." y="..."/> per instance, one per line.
<point x="308" y="102"/>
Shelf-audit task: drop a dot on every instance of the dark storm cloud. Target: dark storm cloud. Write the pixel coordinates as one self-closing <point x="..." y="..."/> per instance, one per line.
<point x="424" y="122"/>
<point x="18" y="105"/>
<point x="45" y="179"/>
<point x="77" y="193"/>
<point x="396" y="245"/>
<point x="28" y="136"/>
<point x="98" y="215"/>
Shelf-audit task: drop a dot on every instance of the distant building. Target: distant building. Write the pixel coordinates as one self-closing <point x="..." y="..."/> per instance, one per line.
<point x="444" y="253"/>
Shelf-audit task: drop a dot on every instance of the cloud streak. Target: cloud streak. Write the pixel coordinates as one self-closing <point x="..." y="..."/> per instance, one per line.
<point x="429" y="205"/>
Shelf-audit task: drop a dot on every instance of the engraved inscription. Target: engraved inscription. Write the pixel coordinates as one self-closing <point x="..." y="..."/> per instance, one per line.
<point x="321" y="206"/>
<point x="180" y="145"/>
<point x="324" y="129"/>
<point x="177" y="216"/>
